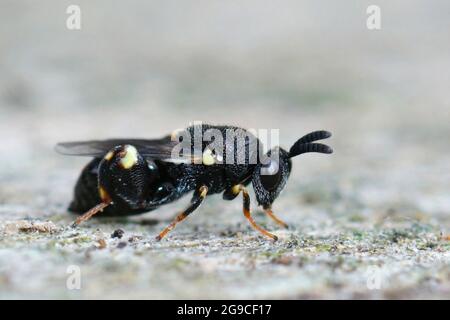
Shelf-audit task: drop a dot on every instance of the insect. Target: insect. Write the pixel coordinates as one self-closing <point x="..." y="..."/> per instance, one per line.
<point x="133" y="176"/>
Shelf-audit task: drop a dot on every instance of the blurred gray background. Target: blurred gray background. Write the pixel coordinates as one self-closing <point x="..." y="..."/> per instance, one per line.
<point x="144" y="68"/>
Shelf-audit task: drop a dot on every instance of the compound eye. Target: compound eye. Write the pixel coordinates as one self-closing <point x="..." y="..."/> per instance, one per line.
<point x="270" y="175"/>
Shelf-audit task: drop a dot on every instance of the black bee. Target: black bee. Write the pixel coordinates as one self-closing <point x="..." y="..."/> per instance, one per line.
<point x="133" y="176"/>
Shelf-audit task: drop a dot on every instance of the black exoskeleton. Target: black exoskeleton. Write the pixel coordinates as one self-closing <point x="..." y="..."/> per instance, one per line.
<point x="132" y="176"/>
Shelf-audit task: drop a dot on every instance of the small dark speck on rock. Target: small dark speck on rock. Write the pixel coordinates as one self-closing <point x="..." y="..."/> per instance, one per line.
<point x="291" y="244"/>
<point x="121" y="245"/>
<point x="118" y="233"/>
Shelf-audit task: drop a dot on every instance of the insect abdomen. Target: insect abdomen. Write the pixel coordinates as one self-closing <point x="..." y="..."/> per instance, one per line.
<point x="86" y="189"/>
<point x="86" y="194"/>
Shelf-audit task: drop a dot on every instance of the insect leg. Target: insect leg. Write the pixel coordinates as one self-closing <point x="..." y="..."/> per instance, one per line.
<point x="246" y="208"/>
<point x="98" y="208"/>
<point x="106" y="201"/>
<point x="270" y="213"/>
<point x="197" y="199"/>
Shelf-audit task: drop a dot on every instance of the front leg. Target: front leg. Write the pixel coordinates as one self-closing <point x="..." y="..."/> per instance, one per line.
<point x="197" y="199"/>
<point x="246" y="209"/>
<point x="269" y="212"/>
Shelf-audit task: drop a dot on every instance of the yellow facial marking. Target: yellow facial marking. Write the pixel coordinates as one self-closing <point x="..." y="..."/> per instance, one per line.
<point x="109" y="155"/>
<point x="208" y="158"/>
<point x="129" y="158"/>
<point x="174" y="135"/>
<point x="177" y="134"/>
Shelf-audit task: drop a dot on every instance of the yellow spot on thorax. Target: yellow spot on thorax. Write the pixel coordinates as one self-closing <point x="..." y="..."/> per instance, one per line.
<point x="109" y="155"/>
<point x="130" y="158"/>
<point x="208" y="158"/>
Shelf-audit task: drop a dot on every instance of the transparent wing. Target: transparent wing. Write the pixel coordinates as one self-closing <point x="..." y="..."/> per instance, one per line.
<point x="153" y="149"/>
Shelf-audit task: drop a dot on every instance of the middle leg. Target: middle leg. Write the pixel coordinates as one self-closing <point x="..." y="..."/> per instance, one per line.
<point x="197" y="199"/>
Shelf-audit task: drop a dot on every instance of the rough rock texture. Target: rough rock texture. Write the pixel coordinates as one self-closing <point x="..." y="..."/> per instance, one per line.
<point x="370" y="221"/>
